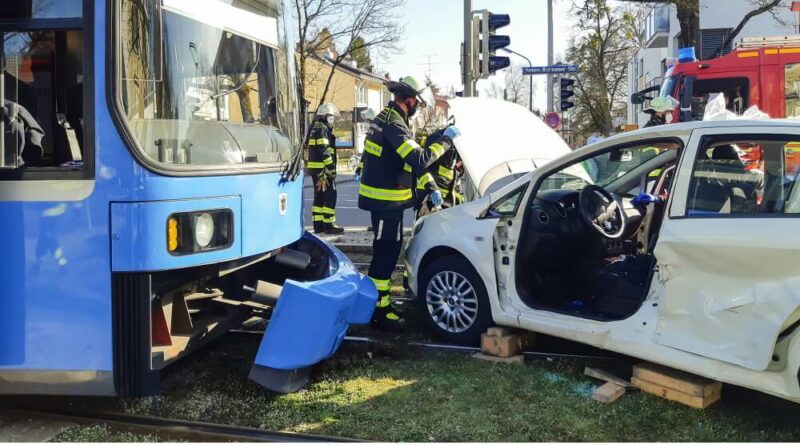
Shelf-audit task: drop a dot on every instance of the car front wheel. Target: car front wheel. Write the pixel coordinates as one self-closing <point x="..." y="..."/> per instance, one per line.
<point x="453" y="300"/>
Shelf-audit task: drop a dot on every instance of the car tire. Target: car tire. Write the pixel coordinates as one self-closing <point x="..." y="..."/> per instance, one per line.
<point x="439" y="301"/>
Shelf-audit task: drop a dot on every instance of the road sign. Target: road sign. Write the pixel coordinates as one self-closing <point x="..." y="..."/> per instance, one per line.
<point x="553" y="120"/>
<point x="553" y="69"/>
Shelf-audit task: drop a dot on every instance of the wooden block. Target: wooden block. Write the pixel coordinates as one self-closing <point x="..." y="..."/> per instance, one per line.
<point x="678" y="380"/>
<point x="694" y="401"/>
<point x="505" y="346"/>
<point x="608" y="392"/>
<point x="606" y="377"/>
<point x="517" y="359"/>
<point x="498" y="331"/>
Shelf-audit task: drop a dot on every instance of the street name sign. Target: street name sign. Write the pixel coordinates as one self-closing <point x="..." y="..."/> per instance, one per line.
<point x="552" y="69"/>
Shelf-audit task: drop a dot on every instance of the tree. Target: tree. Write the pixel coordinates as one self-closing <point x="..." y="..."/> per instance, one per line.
<point x="604" y="41"/>
<point x="361" y="55"/>
<point x="341" y="28"/>
<point x="689" y="19"/>
<point x="515" y="87"/>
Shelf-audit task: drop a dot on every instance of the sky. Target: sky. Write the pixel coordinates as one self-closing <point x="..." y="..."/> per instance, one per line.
<point x="434" y="31"/>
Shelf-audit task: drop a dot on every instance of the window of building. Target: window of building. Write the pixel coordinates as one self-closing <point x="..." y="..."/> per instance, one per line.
<point x="792" y="89"/>
<point x="361" y="95"/>
<point x="711" y="41"/>
<point x="757" y="175"/>
<point x="41" y="87"/>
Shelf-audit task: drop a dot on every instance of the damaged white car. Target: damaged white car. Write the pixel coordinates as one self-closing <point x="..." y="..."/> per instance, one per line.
<point x="675" y="244"/>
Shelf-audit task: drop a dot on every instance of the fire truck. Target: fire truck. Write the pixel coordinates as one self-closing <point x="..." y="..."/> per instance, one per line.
<point x="761" y="71"/>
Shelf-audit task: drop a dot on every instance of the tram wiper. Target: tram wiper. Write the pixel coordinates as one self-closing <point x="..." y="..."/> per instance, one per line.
<point x="292" y="168"/>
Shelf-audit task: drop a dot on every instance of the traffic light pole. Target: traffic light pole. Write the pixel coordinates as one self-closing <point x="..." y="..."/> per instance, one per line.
<point x="467" y="68"/>
<point x="549" y="55"/>
<point x="530" y="88"/>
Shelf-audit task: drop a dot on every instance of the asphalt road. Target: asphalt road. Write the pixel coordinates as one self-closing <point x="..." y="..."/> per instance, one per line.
<point x="347" y="212"/>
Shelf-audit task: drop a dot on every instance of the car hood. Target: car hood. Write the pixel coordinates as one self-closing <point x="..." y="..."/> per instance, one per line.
<point x="500" y="139"/>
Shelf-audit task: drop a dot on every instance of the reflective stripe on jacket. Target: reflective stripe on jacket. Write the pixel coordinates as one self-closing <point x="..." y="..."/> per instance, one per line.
<point x="321" y="148"/>
<point x="439" y="175"/>
<point x="391" y="155"/>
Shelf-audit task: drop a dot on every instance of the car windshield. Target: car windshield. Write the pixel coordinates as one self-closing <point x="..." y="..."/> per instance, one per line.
<point x="206" y="88"/>
<point x="668" y="87"/>
<point x="605" y="167"/>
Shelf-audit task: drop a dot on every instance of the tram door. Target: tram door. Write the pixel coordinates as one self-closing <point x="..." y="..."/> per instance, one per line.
<point x="48" y="268"/>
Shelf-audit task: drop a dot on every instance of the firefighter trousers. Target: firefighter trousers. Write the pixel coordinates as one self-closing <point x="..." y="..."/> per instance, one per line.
<point x="387" y="229"/>
<point x="323" y="210"/>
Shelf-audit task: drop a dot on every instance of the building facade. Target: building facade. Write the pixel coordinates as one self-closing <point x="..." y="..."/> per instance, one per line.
<point x="351" y="88"/>
<point x="717" y="19"/>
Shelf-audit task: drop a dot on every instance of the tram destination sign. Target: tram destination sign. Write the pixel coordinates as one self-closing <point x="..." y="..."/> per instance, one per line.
<point x="552" y="69"/>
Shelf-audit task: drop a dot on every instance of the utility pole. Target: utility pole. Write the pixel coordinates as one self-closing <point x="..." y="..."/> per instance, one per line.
<point x="549" y="55"/>
<point x="466" y="64"/>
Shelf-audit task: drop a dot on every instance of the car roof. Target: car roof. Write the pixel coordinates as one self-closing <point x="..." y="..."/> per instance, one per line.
<point x="688" y="127"/>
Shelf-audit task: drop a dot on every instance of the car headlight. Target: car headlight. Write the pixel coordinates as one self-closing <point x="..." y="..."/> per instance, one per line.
<point x="203" y="230"/>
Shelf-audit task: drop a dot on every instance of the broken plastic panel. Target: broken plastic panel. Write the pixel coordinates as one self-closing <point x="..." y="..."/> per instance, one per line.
<point x="310" y="318"/>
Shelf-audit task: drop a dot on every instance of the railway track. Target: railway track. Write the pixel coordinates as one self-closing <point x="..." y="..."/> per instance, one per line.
<point x="165" y="429"/>
<point x="452" y="348"/>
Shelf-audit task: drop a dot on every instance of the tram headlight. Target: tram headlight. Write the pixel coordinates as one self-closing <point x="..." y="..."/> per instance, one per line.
<point x="203" y="229"/>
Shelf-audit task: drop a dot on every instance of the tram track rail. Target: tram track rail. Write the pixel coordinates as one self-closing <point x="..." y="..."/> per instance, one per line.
<point x="165" y="429"/>
<point x="453" y="348"/>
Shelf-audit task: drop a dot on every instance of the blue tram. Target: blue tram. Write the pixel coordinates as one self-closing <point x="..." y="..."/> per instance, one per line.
<point x="150" y="197"/>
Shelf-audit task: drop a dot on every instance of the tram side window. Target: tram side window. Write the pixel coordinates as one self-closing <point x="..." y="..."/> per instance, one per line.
<point x="42" y="99"/>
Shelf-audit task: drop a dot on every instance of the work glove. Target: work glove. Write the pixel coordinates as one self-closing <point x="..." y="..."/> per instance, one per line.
<point x="436" y="199"/>
<point x="357" y="177"/>
<point x="643" y="199"/>
<point x="451" y="132"/>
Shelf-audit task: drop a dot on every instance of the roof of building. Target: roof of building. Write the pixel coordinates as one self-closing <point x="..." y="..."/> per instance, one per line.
<point x="357" y="72"/>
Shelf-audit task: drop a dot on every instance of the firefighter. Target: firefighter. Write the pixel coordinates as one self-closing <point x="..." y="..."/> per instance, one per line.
<point x="438" y="183"/>
<point x="391" y="156"/>
<point x="659" y="110"/>
<point x="322" y="167"/>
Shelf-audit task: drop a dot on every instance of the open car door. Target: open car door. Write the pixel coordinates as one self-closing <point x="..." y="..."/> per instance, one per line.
<point x="728" y="250"/>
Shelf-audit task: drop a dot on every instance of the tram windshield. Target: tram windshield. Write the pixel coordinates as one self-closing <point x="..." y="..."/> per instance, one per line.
<point x="206" y="82"/>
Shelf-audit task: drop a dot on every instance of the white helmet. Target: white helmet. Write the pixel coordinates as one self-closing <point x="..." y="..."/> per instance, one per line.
<point x="327" y="108"/>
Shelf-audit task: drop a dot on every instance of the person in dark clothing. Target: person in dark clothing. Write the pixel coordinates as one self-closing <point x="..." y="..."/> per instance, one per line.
<point x="391" y="157"/>
<point x="658" y="110"/>
<point x="23" y="136"/>
<point x="321" y="165"/>
<point x="438" y="183"/>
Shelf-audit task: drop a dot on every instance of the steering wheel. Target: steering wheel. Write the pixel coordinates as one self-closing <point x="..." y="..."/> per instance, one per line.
<point x="600" y="210"/>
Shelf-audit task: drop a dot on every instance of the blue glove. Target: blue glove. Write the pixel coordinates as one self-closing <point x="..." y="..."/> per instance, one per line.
<point x="451" y="132"/>
<point x="644" y="199"/>
<point x="357" y="177"/>
<point x="436" y="199"/>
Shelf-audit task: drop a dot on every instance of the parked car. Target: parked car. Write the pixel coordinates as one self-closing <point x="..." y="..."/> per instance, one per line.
<point x="704" y="279"/>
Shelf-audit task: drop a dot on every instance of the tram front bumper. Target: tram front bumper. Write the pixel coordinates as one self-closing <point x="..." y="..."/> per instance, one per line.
<point x="310" y="321"/>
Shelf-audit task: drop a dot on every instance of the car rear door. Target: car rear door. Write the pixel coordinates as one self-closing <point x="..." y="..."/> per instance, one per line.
<point x="727" y="277"/>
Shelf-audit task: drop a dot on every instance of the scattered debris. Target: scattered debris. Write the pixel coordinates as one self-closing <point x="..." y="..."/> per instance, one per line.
<point x="608" y="392"/>
<point x="682" y="387"/>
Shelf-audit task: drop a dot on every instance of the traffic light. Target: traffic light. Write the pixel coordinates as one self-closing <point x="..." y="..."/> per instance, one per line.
<point x="486" y="42"/>
<point x="566" y="93"/>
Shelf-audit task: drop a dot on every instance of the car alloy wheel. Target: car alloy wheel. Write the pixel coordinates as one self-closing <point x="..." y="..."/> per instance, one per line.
<point x="452" y="302"/>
